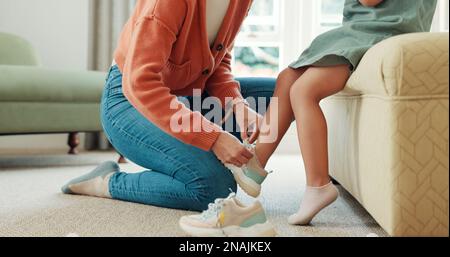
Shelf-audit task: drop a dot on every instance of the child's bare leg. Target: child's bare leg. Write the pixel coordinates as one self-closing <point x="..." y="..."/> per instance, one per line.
<point x="306" y="93"/>
<point x="285" y="115"/>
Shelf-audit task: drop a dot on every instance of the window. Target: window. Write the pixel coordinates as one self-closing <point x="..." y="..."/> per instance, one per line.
<point x="278" y="31"/>
<point x="257" y="49"/>
<point x="441" y="17"/>
<point x="272" y="37"/>
<point x="330" y="14"/>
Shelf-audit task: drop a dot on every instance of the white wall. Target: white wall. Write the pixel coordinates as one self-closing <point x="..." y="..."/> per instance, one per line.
<point x="58" y="29"/>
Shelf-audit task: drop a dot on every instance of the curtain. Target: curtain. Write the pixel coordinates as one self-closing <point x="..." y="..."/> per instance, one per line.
<point x="106" y="20"/>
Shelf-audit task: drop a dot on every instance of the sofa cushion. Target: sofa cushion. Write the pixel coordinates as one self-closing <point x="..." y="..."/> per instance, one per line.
<point x="36" y="84"/>
<point x="411" y="65"/>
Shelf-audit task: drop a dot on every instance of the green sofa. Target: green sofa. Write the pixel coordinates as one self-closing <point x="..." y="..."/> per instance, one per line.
<point x="38" y="100"/>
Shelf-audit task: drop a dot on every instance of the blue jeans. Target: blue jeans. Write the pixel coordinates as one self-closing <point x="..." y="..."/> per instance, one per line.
<point x="178" y="175"/>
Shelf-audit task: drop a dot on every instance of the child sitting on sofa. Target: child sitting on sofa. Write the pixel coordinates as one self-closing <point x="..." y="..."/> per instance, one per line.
<point x="322" y="71"/>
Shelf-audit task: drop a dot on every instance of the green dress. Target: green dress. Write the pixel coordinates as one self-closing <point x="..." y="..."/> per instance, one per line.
<point x="363" y="27"/>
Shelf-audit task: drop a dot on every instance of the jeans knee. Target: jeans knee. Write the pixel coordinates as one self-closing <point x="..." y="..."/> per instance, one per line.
<point x="207" y="190"/>
<point x="203" y="200"/>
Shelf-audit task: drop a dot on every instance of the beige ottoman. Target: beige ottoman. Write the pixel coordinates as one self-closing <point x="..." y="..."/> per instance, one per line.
<point x="389" y="136"/>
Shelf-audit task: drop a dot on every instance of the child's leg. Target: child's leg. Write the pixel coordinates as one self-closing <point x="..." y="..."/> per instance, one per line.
<point x="285" y="115"/>
<point x="306" y="93"/>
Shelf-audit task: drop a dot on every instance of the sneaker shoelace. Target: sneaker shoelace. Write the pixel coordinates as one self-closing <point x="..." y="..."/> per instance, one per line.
<point x="215" y="208"/>
<point x="248" y="145"/>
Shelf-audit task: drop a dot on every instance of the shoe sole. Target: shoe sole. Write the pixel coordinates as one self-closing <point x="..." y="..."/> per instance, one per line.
<point x="258" y="230"/>
<point x="249" y="186"/>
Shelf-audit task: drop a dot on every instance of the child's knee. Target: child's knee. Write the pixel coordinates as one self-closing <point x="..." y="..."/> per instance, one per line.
<point x="284" y="74"/>
<point x="317" y="84"/>
<point x="302" y="93"/>
<point x="285" y="81"/>
<point x="289" y="75"/>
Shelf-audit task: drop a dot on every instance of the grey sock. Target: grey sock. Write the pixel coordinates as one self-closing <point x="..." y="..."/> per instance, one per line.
<point x="102" y="172"/>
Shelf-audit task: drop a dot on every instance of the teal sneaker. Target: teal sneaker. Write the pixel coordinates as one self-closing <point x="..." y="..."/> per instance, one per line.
<point x="251" y="176"/>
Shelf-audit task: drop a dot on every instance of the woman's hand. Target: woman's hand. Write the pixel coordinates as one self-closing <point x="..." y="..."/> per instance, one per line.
<point x="229" y="150"/>
<point x="249" y="122"/>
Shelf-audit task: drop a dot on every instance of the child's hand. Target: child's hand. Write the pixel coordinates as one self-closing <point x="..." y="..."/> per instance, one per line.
<point x="370" y="3"/>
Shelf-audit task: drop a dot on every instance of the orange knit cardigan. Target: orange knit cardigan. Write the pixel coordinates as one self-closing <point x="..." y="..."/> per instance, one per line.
<point x="163" y="52"/>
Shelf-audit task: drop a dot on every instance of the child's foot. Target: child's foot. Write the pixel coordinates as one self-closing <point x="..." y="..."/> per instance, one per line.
<point x="314" y="200"/>
<point x="229" y="218"/>
<point x="250" y="176"/>
<point x="95" y="183"/>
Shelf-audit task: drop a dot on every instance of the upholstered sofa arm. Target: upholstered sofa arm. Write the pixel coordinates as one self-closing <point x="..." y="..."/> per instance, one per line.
<point x="412" y="65"/>
<point x="37" y="84"/>
<point x="16" y="51"/>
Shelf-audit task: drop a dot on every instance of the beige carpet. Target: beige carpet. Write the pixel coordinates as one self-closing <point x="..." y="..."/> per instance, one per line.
<point x="32" y="205"/>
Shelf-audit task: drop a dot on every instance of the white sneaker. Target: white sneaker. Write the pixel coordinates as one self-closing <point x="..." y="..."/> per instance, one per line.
<point x="229" y="218"/>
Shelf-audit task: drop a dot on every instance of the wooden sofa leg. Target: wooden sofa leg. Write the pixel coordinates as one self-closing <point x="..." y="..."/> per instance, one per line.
<point x="73" y="142"/>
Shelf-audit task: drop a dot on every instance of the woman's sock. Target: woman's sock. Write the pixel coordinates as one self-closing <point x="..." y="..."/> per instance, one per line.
<point x="95" y="183"/>
<point x="314" y="200"/>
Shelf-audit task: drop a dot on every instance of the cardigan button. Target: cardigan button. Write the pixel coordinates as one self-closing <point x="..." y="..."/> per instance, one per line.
<point x="220" y="47"/>
<point x="206" y="72"/>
